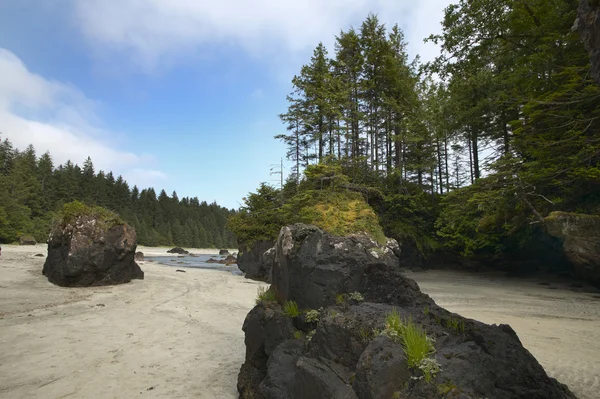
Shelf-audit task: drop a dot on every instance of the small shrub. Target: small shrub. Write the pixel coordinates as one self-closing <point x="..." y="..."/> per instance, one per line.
<point x="310" y="335"/>
<point x="290" y="309"/>
<point x="430" y="367"/>
<point x="298" y="334"/>
<point x="265" y="295"/>
<point x="426" y="310"/>
<point x="312" y="316"/>
<point x="356" y="296"/>
<point x="340" y="299"/>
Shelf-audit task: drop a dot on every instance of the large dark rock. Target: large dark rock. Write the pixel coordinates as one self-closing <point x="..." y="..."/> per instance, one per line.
<point x="223" y="252"/>
<point x="588" y="26"/>
<point x="313" y="267"/>
<point x="580" y="235"/>
<point x="346" y="356"/>
<point x="139" y="256"/>
<point x="257" y="260"/>
<point x="88" y="252"/>
<point x="27" y="240"/>
<point x="178" y="250"/>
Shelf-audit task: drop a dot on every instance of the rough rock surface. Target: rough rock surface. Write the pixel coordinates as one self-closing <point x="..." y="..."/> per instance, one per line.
<point x="27" y="240"/>
<point x="257" y="261"/>
<point x="588" y="26"/>
<point x="89" y="253"/>
<point x="178" y="250"/>
<point x="342" y="354"/>
<point x="580" y="235"/>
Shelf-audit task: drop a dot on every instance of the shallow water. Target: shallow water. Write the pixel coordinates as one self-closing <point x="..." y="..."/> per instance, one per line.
<point x="198" y="261"/>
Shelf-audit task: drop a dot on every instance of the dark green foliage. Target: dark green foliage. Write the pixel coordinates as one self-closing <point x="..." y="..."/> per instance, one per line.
<point x="322" y="198"/>
<point x="469" y="152"/>
<point x="33" y="191"/>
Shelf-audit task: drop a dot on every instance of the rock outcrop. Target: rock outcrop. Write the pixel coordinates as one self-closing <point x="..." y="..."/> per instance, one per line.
<point x="588" y="26"/>
<point x="223" y="252"/>
<point x="345" y="346"/>
<point x="88" y="251"/>
<point x="229" y="260"/>
<point x="580" y="235"/>
<point x="27" y="240"/>
<point x="178" y="250"/>
<point x="139" y="256"/>
<point x="257" y="260"/>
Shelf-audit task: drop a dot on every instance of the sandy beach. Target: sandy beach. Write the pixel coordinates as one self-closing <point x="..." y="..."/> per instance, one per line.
<point x="171" y="335"/>
<point x="178" y="335"/>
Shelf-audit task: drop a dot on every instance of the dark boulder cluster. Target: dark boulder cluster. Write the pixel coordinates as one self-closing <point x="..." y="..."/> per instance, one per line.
<point x="343" y="342"/>
<point x="229" y="260"/>
<point x="256" y="261"/>
<point x="88" y="251"/>
<point x="178" y="250"/>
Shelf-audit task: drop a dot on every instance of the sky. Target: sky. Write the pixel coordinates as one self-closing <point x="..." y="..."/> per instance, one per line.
<point x="176" y="94"/>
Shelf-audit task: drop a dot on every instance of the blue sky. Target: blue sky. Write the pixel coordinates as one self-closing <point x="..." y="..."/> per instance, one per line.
<point x="181" y="95"/>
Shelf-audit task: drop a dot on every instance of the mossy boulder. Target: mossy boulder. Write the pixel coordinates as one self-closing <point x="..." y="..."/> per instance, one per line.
<point x="580" y="235"/>
<point x="91" y="246"/>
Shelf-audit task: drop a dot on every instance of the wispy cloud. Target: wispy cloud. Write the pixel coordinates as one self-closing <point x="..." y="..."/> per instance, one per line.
<point x="153" y="33"/>
<point x="59" y="118"/>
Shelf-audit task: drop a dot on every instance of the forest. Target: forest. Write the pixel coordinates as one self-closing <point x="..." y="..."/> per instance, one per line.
<point x="33" y="190"/>
<point x="467" y="153"/>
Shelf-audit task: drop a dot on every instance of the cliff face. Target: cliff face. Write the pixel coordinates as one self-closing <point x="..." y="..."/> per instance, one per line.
<point x="588" y="26"/>
<point x="580" y="235"/>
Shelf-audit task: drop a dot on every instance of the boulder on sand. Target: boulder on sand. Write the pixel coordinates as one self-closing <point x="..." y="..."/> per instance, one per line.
<point x="178" y="250"/>
<point x="347" y="347"/>
<point x="223" y="252"/>
<point x="91" y="246"/>
<point x="139" y="256"/>
<point x="27" y="240"/>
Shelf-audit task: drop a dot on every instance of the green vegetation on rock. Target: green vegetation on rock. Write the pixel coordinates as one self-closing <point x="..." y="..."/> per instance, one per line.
<point x="321" y="199"/>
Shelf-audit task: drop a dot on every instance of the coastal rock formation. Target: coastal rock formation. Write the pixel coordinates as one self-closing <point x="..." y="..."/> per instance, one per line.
<point x="88" y="251"/>
<point x="229" y="260"/>
<point x="580" y="235"/>
<point x="257" y="260"/>
<point x="223" y="252"/>
<point x="588" y="26"/>
<point x="346" y="343"/>
<point x="139" y="256"/>
<point x="27" y="240"/>
<point x="178" y="250"/>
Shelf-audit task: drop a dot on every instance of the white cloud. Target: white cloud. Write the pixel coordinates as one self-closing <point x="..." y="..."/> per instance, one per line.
<point x="59" y="118"/>
<point x="161" y="32"/>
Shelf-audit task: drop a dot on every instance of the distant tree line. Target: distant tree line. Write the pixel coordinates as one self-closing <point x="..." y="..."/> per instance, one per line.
<point x="32" y="190"/>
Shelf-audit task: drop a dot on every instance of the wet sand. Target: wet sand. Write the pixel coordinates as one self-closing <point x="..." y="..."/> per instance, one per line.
<point x="178" y="335"/>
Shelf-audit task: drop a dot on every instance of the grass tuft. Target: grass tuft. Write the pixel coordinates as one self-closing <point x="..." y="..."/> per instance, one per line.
<point x="265" y="295"/>
<point x="417" y="346"/>
<point x="290" y="309"/>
